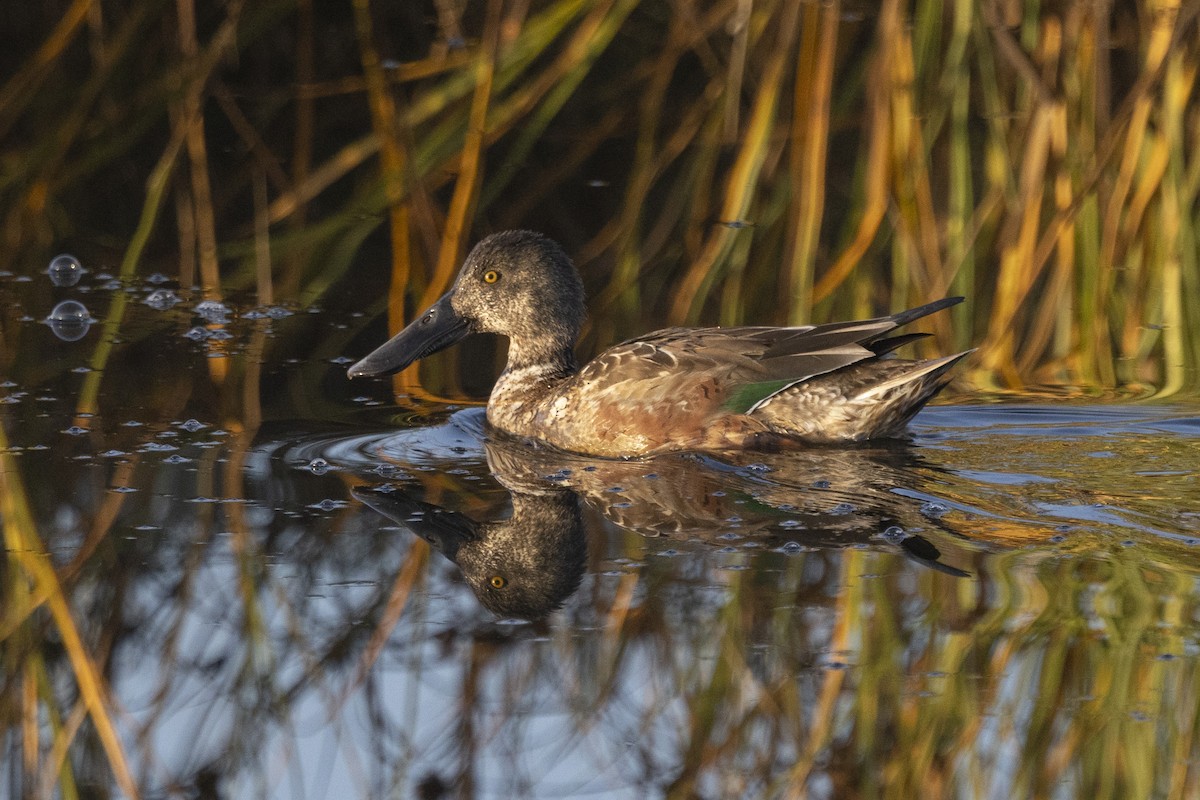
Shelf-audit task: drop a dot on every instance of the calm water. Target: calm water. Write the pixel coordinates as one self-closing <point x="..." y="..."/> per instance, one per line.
<point x="296" y="588"/>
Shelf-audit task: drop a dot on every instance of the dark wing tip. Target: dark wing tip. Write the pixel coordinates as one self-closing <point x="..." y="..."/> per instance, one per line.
<point x="905" y="317"/>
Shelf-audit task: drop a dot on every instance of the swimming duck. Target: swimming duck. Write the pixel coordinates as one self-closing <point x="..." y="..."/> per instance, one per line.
<point x="699" y="389"/>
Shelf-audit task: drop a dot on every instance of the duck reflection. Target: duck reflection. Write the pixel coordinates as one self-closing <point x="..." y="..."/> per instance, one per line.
<point x="528" y="564"/>
<point x="525" y="566"/>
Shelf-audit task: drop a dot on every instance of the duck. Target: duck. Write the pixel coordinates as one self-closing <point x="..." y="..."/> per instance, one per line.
<point x="705" y="389"/>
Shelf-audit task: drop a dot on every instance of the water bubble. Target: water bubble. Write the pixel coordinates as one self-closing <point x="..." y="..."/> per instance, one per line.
<point x="157" y="278"/>
<point x="197" y="334"/>
<point x="213" y="311"/>
<point x="161" y="299"/>
<point x="75" y="430"/>
<point x="65" y="270"/>
<point x="894" y="533"/>
<point x="934" y="509"/>
<point x="318" y="466"/>
<point x="69" y="320"/>
<point x="192" y="425"/>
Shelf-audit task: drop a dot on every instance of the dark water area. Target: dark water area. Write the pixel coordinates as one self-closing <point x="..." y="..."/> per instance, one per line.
<point x="298" y="588"/>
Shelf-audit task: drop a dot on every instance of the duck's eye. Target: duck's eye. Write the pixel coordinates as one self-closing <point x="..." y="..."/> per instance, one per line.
<point x="498" y="581"/>
<point x="491" y="276"/>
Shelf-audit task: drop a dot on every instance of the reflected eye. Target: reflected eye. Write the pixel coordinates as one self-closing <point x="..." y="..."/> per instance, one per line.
<point x="498" y="581"/>
<point x="491" y="276"/>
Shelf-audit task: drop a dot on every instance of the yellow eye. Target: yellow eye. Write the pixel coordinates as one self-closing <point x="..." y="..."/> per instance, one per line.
<point x="491" y="276"/>
<point x="498" y="581"/>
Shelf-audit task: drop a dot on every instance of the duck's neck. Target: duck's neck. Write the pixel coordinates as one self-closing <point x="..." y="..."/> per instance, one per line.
<point x="527" y="381"/>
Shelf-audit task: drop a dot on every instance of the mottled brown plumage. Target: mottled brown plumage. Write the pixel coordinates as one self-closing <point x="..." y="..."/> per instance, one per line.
<point x="674" y="389"/>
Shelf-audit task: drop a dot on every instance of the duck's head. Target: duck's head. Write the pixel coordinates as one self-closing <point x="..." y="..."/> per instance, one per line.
<point x="518" y="284"/>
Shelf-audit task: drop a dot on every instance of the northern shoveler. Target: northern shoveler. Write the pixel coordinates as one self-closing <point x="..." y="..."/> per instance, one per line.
<point x="674" y="389"/>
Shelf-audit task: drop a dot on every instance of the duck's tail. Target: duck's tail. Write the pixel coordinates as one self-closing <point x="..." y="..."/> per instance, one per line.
<point x="868" y="400"/>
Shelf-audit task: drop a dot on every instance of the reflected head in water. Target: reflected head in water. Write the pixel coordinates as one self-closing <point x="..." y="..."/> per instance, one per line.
<point x="677" y="389"/>
<point x="525" y="566"/>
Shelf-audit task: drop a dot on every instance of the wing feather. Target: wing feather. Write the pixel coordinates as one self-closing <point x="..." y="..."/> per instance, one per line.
<point x="745" y="365"/>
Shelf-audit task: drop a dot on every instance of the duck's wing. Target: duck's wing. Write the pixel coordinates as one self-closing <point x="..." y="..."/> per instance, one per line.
<point x="751" y="364"/>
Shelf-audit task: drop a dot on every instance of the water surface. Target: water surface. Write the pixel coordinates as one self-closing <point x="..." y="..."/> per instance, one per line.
<point x="324" y="594"/>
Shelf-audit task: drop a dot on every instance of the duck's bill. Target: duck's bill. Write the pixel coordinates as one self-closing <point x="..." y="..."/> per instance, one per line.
<point x="442" y="528"/>
<point x="438" y="328"/>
